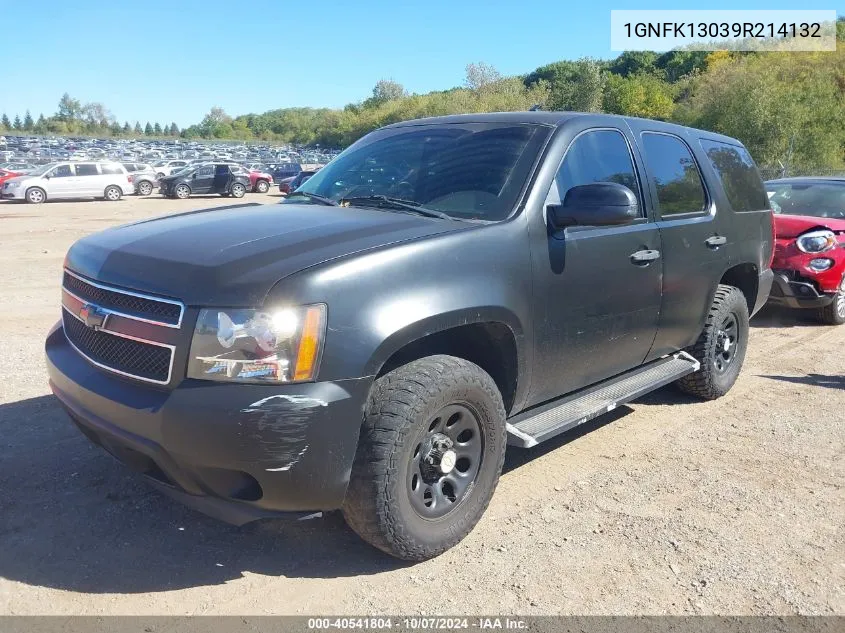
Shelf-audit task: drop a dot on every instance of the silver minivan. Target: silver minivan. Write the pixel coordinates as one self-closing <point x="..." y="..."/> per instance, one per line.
<point x="96" y="179"/>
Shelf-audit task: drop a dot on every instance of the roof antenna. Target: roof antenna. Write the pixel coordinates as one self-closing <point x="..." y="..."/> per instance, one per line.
<point x="536" y="107"/>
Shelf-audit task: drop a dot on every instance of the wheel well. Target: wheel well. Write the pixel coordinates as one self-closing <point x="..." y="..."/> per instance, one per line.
<point x="491" y="346"/>
<point x="745" y="278"/>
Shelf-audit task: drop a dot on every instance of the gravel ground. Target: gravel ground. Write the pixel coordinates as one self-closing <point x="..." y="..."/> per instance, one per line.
<point x="667" y="506"/>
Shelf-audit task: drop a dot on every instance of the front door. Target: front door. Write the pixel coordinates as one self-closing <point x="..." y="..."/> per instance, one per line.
<point x="596" y="304"/>
<point x="61" y="181"/>
<point x="203" y="179"/>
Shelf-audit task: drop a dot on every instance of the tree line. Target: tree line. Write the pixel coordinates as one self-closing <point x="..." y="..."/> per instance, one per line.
<point x="787" y="107"/>
<point x="74" y="118"/>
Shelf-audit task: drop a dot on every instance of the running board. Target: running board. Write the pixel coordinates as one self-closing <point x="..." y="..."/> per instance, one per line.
<point x="540" y="423"/>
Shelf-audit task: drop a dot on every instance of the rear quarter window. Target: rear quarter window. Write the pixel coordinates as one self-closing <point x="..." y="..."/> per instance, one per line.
<point x="107" y="168"/>
<point x="738" y="174"/>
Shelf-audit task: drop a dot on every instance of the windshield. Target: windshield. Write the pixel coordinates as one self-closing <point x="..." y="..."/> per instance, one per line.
<point x="467" y="170"/>
<point x="820" y="200"/>
<point x="42" y="170"/>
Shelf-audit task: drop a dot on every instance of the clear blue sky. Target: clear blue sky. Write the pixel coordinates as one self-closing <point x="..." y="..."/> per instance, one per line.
<point x="172" y="61"/>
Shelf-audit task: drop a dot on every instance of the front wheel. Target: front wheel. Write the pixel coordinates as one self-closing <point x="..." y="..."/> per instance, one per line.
<point x="834" y="313"/>
<point x="182" y="191"/>
<point x="237" y="190"/>
<point x="35" y="195"/>
<point x="721" y="346"/>
<point x="429" y="457"/>
<point x="262" y="186"/>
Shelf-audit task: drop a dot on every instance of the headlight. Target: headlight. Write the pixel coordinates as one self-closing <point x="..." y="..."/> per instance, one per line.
<point x="12" y="185"/>
<point x="816" y="241"/>
<point x="266" y="346"/>
<point x="820" y="264"/>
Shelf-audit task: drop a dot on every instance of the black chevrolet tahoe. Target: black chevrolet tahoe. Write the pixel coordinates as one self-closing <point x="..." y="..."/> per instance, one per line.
<point x="443" y="288"/>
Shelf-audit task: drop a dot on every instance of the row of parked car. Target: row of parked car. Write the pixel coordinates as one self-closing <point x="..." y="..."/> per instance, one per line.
<point x="112" y="180"/>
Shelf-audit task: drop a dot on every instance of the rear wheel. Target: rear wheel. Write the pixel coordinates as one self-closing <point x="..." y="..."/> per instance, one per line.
<point x="112" y="193"/>
<point x="721" y="346"/>
<point x="834" y="313"/>
<point x="145" y="188"/>
<point x="35" y="195"/>
<point x="237" y="190"/>
<point x="262" y="186"/>
<point x="182" y="191"/>
<point x="429" y="457"/>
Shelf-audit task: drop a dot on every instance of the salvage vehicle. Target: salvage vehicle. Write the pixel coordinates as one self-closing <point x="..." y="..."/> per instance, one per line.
<point x="206" y="178"/>
<point x="443" y="288"/>
<point x="809" y="263"/>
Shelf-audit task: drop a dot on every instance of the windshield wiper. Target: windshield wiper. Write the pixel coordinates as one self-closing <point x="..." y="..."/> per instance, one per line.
<point x="398" y="203"/>
<point x="313" y="196"/>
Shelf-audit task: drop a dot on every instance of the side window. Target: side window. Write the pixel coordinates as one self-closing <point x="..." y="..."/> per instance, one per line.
<point x="62" y="171"/>
<point x="86" y="169"/>
<point x="597" y="156"/>
<point x="207" y="170"/>
<point x="675" y="172"/>
<point x="738" y="175"/>
<point x="111" y="168"/>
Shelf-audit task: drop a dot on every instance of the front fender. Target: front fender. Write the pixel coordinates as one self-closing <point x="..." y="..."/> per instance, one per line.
<point x="380" y="300"/>
<point x="403" y="333"/>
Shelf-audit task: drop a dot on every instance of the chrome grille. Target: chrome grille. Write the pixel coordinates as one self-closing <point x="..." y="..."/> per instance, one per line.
<point x="130" y="357"/>
<point x="131" y="304"/>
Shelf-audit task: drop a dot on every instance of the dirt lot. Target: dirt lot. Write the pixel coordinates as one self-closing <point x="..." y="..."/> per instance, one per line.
<point x="666" y="506"/>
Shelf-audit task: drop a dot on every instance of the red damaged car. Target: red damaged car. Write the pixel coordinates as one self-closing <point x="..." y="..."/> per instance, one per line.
<point x="809" y="258"/>
<point x="6" y="174"/>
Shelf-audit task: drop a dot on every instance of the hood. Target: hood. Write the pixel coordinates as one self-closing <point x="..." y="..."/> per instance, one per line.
<point x="232" y="256"/>
<point x="790" y="226"/>
<point x="20" y="178"/>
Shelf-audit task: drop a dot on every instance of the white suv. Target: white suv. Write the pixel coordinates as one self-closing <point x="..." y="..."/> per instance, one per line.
<point x="70" y="180"/>
<point x="167" y="167"/>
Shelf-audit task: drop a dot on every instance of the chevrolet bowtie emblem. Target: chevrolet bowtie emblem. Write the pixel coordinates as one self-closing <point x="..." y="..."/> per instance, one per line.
<point x="92" y="316"/>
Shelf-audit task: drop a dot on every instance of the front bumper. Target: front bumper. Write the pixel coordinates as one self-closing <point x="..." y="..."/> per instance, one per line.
<point x="797" y="293"/>
<point x="237" y="452"/>
<point x="17" y="193"/>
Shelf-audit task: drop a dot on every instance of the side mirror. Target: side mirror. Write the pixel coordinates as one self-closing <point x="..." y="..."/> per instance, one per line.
<point x="596" y="204"/>
<point x="194" y="175"/>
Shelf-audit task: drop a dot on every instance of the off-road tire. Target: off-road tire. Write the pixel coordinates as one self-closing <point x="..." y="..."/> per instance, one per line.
<point x="401" y="403"/>
<point x="834" y="312"/>
<point x="708" y="383"/>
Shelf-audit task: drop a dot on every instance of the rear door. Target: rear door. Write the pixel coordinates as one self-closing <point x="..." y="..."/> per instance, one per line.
<point x="222" y="176"/>
<point x="691" y="230"/>
<point x="88" y="181"/>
